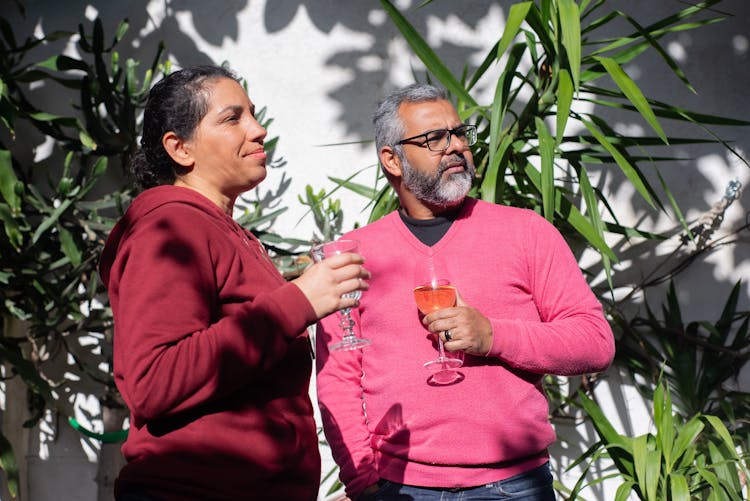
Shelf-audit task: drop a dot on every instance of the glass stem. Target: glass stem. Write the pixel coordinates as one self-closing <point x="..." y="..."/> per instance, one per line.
<point x="347" y="324"/>
<point x="441" y="349"/>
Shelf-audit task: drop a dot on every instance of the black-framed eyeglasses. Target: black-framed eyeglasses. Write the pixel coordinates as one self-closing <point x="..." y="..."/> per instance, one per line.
<point x="440" y="139"/>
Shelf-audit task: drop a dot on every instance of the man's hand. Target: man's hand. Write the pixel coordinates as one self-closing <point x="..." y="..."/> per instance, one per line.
<point x="467" y="329"/>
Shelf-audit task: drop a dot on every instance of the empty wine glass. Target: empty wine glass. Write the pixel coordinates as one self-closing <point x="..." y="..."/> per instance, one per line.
<point x="432" y="294"/>
<point x="349" y="340"/>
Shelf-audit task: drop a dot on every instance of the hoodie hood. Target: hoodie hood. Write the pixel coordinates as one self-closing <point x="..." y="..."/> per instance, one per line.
<point x="144" y="204"/>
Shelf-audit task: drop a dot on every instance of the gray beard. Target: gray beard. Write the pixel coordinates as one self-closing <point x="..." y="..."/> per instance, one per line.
<point x="435" y="190"/>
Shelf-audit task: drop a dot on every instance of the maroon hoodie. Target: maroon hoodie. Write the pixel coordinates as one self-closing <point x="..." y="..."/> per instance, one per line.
<point x="210" y="354"/>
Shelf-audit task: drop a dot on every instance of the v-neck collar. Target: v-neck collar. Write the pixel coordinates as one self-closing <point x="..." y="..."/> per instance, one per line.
<point x="428" y="250"/>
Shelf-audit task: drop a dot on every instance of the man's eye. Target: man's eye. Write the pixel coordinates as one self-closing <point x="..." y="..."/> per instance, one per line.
<point x="436" y="135"/>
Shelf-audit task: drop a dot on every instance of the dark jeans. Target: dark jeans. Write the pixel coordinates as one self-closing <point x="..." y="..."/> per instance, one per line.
<point x="533" y="485"/>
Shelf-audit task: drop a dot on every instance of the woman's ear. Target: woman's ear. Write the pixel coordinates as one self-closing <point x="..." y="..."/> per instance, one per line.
<point x="177" y="148"/>
<point x="390" y="161"/>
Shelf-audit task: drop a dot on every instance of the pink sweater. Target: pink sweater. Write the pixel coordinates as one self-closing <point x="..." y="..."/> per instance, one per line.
<point x="382" y="418"/>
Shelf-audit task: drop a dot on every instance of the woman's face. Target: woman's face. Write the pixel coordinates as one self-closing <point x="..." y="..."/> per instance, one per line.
<point x="227" y="145"/>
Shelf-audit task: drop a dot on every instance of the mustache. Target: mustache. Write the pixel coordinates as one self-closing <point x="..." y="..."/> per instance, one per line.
<point x="452" y="161"/>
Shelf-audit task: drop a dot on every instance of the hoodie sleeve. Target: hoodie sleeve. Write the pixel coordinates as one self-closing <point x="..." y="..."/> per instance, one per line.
<point x="178" y="343"/>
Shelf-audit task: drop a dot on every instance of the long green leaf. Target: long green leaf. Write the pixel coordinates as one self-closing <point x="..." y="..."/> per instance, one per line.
<point x="69" y="247"/>
<point x="570" y="25"/>
<point x="634" y="94"/>
<point x="686" y="436"/>
<point x="499" y="146"/>
<point x="573" y="216"/>
<point x="360" y="189"/>
<point x="592" y="209"/>
<point x="547" y="154"/>
<point x="564" y="100"/>
<point x="493" y="178"/>
<point x="663" y="53"/>
<point x="678" y="486"/>
<point x="426" y="54"/>
<point x="640" y="454"/>
<point x="723" y="434"/>
<point x="619" y="446"/>
<point x="622" y="162"/>
<point x="51" y="220"/>
<point x="653" y="473"/>
<point x="516" y="16"/>
<point x="623" y="492"/>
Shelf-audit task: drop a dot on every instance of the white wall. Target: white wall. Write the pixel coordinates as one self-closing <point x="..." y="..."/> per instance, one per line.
<point x="321" y="66"/>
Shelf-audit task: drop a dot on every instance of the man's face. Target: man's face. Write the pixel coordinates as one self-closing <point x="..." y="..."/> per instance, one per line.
<point x="440" y="178"/>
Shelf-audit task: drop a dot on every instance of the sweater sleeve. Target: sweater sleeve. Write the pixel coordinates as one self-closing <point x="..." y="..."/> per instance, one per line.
<point x="342" y="411"/>
<point x="175" y="348"/>
<point x="573" y="336"/>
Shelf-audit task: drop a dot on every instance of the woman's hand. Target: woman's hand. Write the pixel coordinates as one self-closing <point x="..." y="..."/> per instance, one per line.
<point x="325" y="283"/>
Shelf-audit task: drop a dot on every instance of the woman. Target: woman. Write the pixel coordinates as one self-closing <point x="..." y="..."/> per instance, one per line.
<point x="210" y="350"/>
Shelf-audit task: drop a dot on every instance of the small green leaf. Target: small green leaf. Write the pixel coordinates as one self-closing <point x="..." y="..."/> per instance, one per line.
<point x="100" y="167"/>
<point x="69" y="247"/>
<point x="9" y="466"/>
<point x="87" y="140"/>
<point x="9" y="182"/>
<point x="12" y="228"/>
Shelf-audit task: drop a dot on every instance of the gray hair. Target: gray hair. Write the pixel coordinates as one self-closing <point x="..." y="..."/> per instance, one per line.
<point x="388" y="124"/>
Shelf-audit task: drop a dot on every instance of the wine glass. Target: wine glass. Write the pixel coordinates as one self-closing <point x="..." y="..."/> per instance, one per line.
<point x="433" y="294"/>
<point x="327" y="249"/>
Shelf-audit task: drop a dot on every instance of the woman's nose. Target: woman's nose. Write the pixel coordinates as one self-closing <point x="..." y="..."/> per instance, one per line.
<point x="255" y="131"/>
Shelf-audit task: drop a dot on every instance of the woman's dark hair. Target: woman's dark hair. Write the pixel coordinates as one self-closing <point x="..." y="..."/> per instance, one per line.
<point x="176" y="103"/>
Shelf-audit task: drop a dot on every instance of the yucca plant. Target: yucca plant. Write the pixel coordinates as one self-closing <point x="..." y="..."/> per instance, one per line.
<point x="550" y="50"/>
<point x="682" y="460"/>
<point x="700" y="361"/>
<point x="540" y="148"/>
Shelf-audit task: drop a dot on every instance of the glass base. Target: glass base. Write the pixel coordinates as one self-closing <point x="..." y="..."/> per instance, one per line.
<point x="348" y="344"/>
<point x="444" y="369"/>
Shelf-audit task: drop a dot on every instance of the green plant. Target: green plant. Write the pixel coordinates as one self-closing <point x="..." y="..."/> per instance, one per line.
<point x="699" y="361"/>
<point x="56" y="213"/>
<point x="549" y="50"/>
<point x="554" y="64"/>
<point x="686" y="459"/>
<point x="53" y="220"/>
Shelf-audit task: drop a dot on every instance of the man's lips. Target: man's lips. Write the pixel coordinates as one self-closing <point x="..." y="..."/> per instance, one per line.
<point x="454" y="168"/>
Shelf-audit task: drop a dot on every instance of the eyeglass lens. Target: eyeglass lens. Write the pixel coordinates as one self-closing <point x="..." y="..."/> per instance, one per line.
<point x="439" y="140"/>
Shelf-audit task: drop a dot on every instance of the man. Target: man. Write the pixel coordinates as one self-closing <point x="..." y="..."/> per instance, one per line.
<point x="523" y="310"/>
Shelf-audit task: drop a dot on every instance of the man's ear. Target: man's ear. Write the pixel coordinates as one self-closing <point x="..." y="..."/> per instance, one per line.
<point x="390" y="161"/>
<point x="177" y="148"/>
